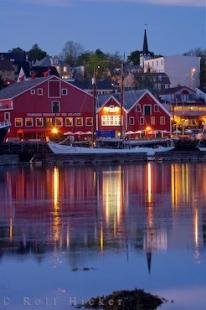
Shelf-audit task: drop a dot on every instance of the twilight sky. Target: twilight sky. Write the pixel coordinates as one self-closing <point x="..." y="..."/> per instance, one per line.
<point x="174" y="26"/>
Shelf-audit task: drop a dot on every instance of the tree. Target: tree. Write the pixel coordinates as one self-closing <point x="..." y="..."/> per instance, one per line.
<point x="17" y="50"/>
<point x="134" y="57"/>
<point x="1" y="82"/>
<point x="36" y="53"/>
<point x="71" y="52"/>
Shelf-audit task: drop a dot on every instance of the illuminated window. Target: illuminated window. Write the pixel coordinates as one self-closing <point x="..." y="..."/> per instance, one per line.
<point x="79" y="121"/>
<point x="152" y="120"/>
<point x="89" y="121"/>
<point x="48" y="121"/>
<point x="39" y="122"/>
<point x="29" y="122"/>
<point x="141" y="120"/>
<point x="109" y="120"/>
<point x="55" y="107"/>
<point x="39" y="91"/>
<point x="162" y="120"/>
<point x="131" y="120"/>
<point x="18" y="122"/>
<point x="156" y="108"/>
<point x="59" y="121"/>
<point x="69" y="121"/>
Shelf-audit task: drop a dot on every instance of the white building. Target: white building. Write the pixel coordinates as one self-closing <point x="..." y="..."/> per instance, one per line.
<point x="182" y="70"/>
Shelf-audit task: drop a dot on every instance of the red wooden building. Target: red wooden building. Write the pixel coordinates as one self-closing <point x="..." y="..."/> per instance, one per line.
<point x="44" y="106"/>
<point x="142" y="114"/>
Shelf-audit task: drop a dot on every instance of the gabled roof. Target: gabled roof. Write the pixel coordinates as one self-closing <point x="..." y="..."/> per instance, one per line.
<point x="130" y="97"/>
<point x="176" y="89"/>
<point x="18" y="88"/>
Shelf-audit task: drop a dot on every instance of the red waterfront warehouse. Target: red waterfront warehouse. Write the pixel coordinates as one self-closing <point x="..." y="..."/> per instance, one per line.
<point x="138" y="113"/>
<point x="39" y="107"/>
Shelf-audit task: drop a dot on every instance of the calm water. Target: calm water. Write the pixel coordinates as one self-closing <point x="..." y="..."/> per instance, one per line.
<point x="67" y="234"/>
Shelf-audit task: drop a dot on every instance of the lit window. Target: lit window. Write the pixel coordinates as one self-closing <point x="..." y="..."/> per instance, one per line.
<point x="39" y="122"/>
<point x="39" y="91"/>
<point x="131" y="120"/>
<point x="32" y="91"/>
<point x="109" y="120"/>
<point x="79" y="121"/>
<point x="55" y="107"/>
<point x="18" y="122"/>
<point x="89" y="121"/>
<point x="29" y="122"/>
<point x="69" y="121"/>
<point x="59" y="121"/>
<point x="64" y="91"/>
<point x="141" y="120"/>
<point x="162" y="120"/>
<point x="48" y="121"/>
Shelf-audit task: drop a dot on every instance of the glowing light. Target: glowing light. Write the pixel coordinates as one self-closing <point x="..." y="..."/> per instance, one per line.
<point x="149" y="183"/>
<point x="101" y="239"/>
<point x="10" y="229"/>
<point x="56" y="219"/>
<point x="196" y="228"/>
<point x="148" y="128"/>
<point x="54" y="131"/>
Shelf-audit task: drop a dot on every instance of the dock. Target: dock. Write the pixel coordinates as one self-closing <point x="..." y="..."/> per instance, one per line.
<point x="38" y="153"/>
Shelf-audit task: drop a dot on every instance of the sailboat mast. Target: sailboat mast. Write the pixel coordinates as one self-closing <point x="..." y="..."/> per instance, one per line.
<point x="122" y="101"/>
<point x="94" y="106"/>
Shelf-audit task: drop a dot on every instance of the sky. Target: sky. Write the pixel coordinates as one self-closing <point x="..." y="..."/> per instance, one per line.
<point x="173" y="26"/>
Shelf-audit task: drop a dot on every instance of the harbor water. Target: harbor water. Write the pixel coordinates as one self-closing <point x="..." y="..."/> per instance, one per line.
<point x="71" y="233"/>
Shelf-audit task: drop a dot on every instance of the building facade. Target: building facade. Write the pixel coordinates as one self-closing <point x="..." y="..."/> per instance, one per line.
<point x="181" y="70"/>
<point x="43" y="107"/>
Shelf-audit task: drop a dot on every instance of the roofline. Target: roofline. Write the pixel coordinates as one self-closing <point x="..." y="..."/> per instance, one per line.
<point x="49" y="77"/>
<point x="82" y="90"/>
<point x="153" y="97"/>
<point x="111" y="97"/>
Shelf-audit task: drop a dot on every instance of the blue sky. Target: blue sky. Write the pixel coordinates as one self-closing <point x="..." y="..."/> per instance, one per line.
<point x="174" y="26"/>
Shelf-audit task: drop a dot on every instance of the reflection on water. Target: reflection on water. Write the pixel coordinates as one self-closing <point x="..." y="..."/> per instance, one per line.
<point x="136" y="226"/>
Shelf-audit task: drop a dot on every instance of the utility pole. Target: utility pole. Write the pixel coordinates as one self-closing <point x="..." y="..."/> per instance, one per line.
<point x="94" y="106"/>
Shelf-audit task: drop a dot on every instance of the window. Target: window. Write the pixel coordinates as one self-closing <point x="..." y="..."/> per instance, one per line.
<point x="69" y="121"/>
<point x="18" y="122"/>
<point x="89" y="121"/>
<point x="79" y="121"/>
<point x="48" y="121"/>
<point x="59" y="121"/>
<point x="55" y="107"/>
<point x="109" y="120"/>
<point x="141" y="120"/>
<point x="39" y="122"/>
<point x="54" y="89"/>
<point x="156" y="108"/>
<point x="7" y="116"/>
<point x="147" y="110"/>
<point x="138" y="107"/>
<point x="152" y="120"/>
<point x="29" y="122"/>
<point x="32" y="91"/>
<point x="39" y="91"/>
<point x="131" y="120"/>
<point x="162" y="120"/>
<point x="64" y="92"/>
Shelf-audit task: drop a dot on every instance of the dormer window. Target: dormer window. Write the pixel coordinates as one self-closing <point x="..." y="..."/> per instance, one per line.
<point x="64" y="91"/>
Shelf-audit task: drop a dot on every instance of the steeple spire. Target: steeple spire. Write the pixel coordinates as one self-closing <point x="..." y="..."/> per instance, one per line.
<point x="145" y="50"/>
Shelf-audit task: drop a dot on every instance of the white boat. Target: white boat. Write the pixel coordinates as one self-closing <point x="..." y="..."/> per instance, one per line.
<point x="62" y="149"/>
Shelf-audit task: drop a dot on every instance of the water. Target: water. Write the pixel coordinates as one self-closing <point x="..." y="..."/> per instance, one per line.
<point x="68" y="234"/>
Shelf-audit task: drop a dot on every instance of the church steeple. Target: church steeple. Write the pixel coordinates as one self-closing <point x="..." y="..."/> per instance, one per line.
<point x="145" y="49"/>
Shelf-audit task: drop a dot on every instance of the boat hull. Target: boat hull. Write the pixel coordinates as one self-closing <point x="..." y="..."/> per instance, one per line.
<point x="3" y="132"/>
